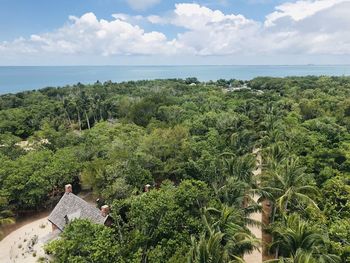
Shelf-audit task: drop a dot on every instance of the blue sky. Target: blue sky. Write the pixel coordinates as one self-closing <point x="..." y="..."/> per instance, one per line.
<point x="43" y="32"/>
<point x="23" y="17"/>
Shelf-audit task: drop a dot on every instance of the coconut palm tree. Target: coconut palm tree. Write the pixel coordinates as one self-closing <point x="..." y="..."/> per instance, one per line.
<point x="208" y="250"/>
<point x="238" y="186"/>
<point x="295" y="240"/>
<point x="275" y="154"/>
<point x="233" y="223"/>
<point x="236" y="193"/>
<point x="240" y="167"/>
<point x="243" y="141"/>
<point x="288" y="183"/>
<point x="300" y="257"/>
<point x="272" y="130"/>
<point x="226" y="238"/>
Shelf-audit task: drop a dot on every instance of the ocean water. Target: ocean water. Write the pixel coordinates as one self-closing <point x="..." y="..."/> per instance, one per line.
<point x="15" y="79"/>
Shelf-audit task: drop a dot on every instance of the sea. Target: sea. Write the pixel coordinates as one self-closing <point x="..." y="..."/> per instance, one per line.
<point x="21" y="78"/>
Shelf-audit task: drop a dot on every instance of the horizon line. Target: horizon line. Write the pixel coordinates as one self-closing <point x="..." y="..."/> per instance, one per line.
<point x="172" y="65"/>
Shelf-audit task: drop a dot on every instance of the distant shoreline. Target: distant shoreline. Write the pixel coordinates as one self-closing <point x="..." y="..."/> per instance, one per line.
<point x="183" y="65"/>
<point x="15" y="79"/>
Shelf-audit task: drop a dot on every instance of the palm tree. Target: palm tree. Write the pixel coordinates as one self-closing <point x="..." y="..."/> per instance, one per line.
<point x="288" y="183"/>
<point x="65" y="103"/>
<point x="208" y="250"/>
<point x="272" y="129"/>
<point x="300" y="257"/>
<point x="243" y="141"/>
<point x="275" y="154"/>
<point x="233" y="222"/>
<point x="239" y="185"/>
<point x="226" y="238"/>
<point x="236" y="193"/>
<point x="295" y="240"/>
<point x="240" y="167"/>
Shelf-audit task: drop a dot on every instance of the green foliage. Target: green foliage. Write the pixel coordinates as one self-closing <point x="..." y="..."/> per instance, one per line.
<point x="337" y="197"/>
<point x="339" y="233"/>
<point x="166" y="219"/>
<point x="289" y="186"/>
<point x="83" y="241"/>
<point x="6" y="216"/>
<point x="299" y="240"/>
<point x="193" y="144"/>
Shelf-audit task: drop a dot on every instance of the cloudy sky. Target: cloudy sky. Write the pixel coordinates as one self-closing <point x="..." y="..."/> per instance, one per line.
<point x="103" y="32"/>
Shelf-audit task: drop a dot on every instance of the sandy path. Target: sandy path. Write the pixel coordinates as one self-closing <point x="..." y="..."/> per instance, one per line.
<point x="256" y="256"/>
<point x="14" y="248"/>
<point x="22" y="221"/>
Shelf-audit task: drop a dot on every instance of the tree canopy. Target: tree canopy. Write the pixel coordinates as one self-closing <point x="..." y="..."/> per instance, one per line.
<point x="194" y="145"/>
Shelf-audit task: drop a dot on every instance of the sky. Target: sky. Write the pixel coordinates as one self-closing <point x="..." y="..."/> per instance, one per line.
<point x="159" y="32"/>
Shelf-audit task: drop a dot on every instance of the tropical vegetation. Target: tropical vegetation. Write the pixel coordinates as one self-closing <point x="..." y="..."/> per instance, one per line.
<point x="196" y="144"/>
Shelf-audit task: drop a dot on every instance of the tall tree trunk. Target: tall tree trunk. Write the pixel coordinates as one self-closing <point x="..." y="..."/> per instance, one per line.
<point x="69" y="119"/>
<point x="286" y="207"/>
<point x="272" y="221"/>
<point x="87" y="120"/>
<point x="79" y="120"/>
<point x="66" y="111"/>
<point x="101" y="118"/>
<point x="276" y="254"/>
<point x="274" y="212"/>
<point x="144" y="255"/>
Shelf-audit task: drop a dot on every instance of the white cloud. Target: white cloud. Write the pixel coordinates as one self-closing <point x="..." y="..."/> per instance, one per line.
<point x="156" y="19"/>
<point x="194" y="16"/>
<point x="126" y="17"/>
<point x="212" y="32"/>
<point x="304" y="28"/>
<point x="300" y="10"/>
<point x="142" y="4"/>
<point x="314" y="27"/>
<point x="88" y="35"/>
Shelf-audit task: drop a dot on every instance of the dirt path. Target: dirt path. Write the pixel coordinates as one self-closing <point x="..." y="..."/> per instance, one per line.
<point x="256" y="256"/>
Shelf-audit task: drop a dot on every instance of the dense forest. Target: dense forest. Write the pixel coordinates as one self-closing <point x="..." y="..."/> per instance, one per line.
<point x="194" y="143"/>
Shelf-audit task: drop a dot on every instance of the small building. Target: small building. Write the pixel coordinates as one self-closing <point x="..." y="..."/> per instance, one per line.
<point x="72" y="207"/>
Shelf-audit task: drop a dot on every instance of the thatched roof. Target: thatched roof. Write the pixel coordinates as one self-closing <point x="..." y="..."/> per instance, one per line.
<point x="72" y="207"/>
